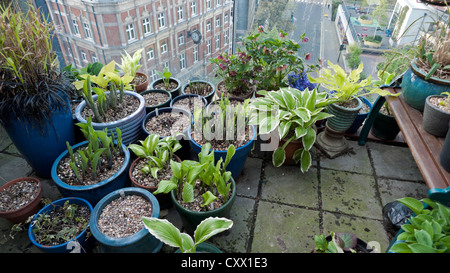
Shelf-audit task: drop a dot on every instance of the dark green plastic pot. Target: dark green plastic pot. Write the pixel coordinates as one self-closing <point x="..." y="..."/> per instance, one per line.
<point x="385" y="127"/>
<point x="148" y="109"/>
<point x="208" y="97"/>
<point x="174" y="92"/>
<point x="191" y="219"/>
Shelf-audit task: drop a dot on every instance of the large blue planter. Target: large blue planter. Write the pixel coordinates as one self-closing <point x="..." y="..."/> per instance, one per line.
<point x="93" y="193"/>
<point x="40" y="149"/>
<point x="130" y="126"/>
<point x="140" y="242"/>
<point x="416" y="89"/>
<point x="83" y="243"/>
<point x="237" y="162"/>
<point x="360" y="117"/>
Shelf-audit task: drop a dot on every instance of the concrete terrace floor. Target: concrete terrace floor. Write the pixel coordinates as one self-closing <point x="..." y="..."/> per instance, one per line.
<point x="280" y="210"/>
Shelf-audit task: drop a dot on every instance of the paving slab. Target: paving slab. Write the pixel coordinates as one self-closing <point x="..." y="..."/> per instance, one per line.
<point x="394" y="162"/>
<point x="391" y="190"/>
<point x="355" y="161"/>
<point x="284" y="229"/>
<point x="248" y="182"/>
<point x="287" y="184"/>
<point x="350" y="193"/>
<point x="12" y="167"/>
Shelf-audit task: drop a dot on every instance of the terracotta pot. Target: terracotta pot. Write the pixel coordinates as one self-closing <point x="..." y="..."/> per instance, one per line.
<point x="143" y="86"/>
<point x="290" y="150"/>
<point x="21" y="215"/>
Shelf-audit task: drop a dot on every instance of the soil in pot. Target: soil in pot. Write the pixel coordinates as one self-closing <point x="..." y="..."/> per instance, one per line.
<point x="160" y="85"/>
<point x="123" y="216"/>
<point x="168" y="124"/>
<point x="129" y="105"/>
<point x="56" y="227"/>
<point x="221" y="89"/>
<point x="201" y="88"/>
<point x="438" y="103"/>
<point x="222" y="144"/>
<point x="189" y="103"/>
<point x="147" y="180"/>
<point x="18" y="195"/>
<point x="139" y="79"/>
<point x="155" y="98"/>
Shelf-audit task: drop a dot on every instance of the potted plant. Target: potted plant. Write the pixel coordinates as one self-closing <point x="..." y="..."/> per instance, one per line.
<point x="201" y="189"/>
<point x="373" y="41"/>
<point x="167" y="82"/>
<point x="153" y="164"/>
<point x="62" y="227"/>
<point x="292" y="114"/>
<point x="365" y="19"/>
<point x="93" y="168"/>
<point x="117" y="108"/>
<point x="20" y="198"/>
<point x="444" y="156"/>
<point x="236" y="74"/>
<point x="200" y="87"/>
<point x="361" y="116"/>
<point x="130" y="65"/>
<point x="222" y="123"/>
<point x="427" y="231"/>
<point x="189" y="102"/>
<point x="436" y="114"/>
<point x="34" y="96"/>
<point x="156" y="98"/>
<point x="274" y="57"/>
<point x="340" y="242"/>
<point x="116" y="221"/>
<point x="171" y="235"/>
<point x="429" y="72"/>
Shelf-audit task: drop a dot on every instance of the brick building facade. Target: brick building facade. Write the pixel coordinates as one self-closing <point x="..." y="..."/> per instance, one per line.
<point x="100" y="30"/>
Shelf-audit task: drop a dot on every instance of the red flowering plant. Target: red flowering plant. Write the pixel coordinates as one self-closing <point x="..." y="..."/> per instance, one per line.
<point x="236" y="72"/>
<point x="275" y="56"/>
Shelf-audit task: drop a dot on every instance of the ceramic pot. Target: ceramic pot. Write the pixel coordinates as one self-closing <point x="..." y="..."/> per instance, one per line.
<point x="92" y="193"/>
<point x="174" y="92"/>
<point x="416" y="89"/>
<point x="149" y="108"/>
<point x="435" y="120"/>
<point x="32" y="207"/>
<point x="83" y="242"/>
<point x="180" y="97"/>
<point x="343" y="117"/>
<point x="143" y="86"/>
<point x="444" y="156"/>
<point x="130" y="125"/>
<point x="140" y="242"/>
<point x="208" y="97"/>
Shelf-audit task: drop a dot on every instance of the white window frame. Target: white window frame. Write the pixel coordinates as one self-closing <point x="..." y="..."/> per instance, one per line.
<point x="94" y="59"/>
<point x="76" y="29"/>
<point x="208" y="26"/>
<point x="195" y="53"/>
<point x="218" y="21"/>
<point x="147" y="26"/>
<point x="217" y="42"/>
<point x="161" y="20"/>
<point x="208" y="4"/>
<point x="181" y="39"/>
<point x="182" y="61"/>
<point x="163" y="47"/>
<point x="193" y="8"/>
<point x="208" y="47"/>
<point x="150" y="54"/>
<point x="226" y="18"/>
<point x="131" y="33"/>
<point x="83" y="56"/>
<point x="218" y="2"/>
<point x="87" y="31"/>
<point x="180" y="13"/>
<point x="225" y="37"/>
<point x="153" y="76"/>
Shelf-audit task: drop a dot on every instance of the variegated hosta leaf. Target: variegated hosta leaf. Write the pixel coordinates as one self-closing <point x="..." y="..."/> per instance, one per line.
<point x="309" y="139"/>
<point x="303" y="113"/>
<point x="278" y="157"/>
<point x="284" y="128"/>
<point x="305" y="161"/>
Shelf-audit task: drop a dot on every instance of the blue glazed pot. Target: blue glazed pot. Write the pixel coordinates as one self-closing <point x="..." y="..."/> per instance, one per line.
<point x="84" y="241"/>
<point x="93" y="193"/>
<point x="416" y="89"/>
<point x="359" y="118"/>
<point x="343" y="117"/>
<point x="40" y="149"/>
<point x="174" y="92"/>
<point x="140" y="242"/>
<point x="208" y="97"/>
<point x="237" y="162"/>
<point x="130" y="126"/>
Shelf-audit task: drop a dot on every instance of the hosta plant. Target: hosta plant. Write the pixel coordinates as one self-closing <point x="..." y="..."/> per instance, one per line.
<point x="171" y="235"/>
<point x="214" y="179"/>
<point x="292" y="114"/>
<point x="428" y="231"/>
<point x="340" y="242"/>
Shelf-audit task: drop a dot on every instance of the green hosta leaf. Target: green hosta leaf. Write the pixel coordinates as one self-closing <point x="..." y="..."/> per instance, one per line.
<point x="408" y="228"/>
<point x="420" y="248"/>
<point x="303" y="113"/>
<point x="284" y="128"/>
<point x="297" y="155"/>
<point x="176" y="169"/>
<point x="415" y="205"/>
<point x="230" y="153"/>
<point x="208" y="197"/>
<point x="165" y="186"/>
<point x="188" y="243"/>
<point x="423" y="238"/>
<point x="288" y="98"/>
<point x="188" y="193"/>
<point x="309" y="139"/>
<point x="210" y="227"/>
<point x="306" y="161"/>
<point x="278" y="157"/>
<point x="138" y="150"/>
<point x="300" y="132"/>
<point x="278" y="99"/>
<point x="401" y="248"/>
<point x="163" y="230"/>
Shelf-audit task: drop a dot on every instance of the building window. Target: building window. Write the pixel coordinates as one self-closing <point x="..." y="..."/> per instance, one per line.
<point x="195" y="53"/>
<point x="131" y="34"/>
<point x="76" y="30"/>
<point x="147" y="26"/>
<point x="208" y="26"/>
<point x="83" y="56"/>
<point x="153" y="75"/>
<point x="218" y="22"/>
<point x="166" y="64"/>
<point x="208" y="46"/>
<point x="217" y="42"/>
<point x="180" y="13"/>
<point x="208" y="4"/>
<point x="181" y="39"/>
<point x="193" y="9"/>
<point x="163" y="47"/>
<point x="182" y="61"/>
<point x="150" y="54"/>
<point x="161" y="20"/>
<point x="226" y="18"/>
<point x="219" y="2"/>
<point x="225" y="37"/>
<point x="94" y="59"/>
<point x="87" y="31"/>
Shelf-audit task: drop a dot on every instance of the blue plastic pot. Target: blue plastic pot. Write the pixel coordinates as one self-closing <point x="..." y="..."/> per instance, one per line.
<point x="237" y="162"/>
<point x="416" y="89"/>
<point x="174" y="92"/>
<point x="40" y="149"/>
<point x="208" y="97"/>
<point x="130" y="126"/>
<point x="140" y="242"/>
<point x="172" y="103"/>
<point x="185" y="150"/>
<point x="81" y="243"/>
<point x="359" y="118"/>
<point x="93" y="193"/>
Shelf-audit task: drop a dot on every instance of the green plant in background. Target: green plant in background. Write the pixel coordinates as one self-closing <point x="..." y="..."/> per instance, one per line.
<point x="165" y="76"/>
<point x="157" y="151"/>
<point x="446" y="101"/>
<point x="32" y="86"/>
<point x="130" y="64"/>
<point x="99" y="154"/>
<point x="292" y="113"/>
<point x="340" y="242"/>
<point x="428" y="231"/>
<point x="354" y="55"/>
<point x="171" y="235"/>
<point x="213" y="177"/>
